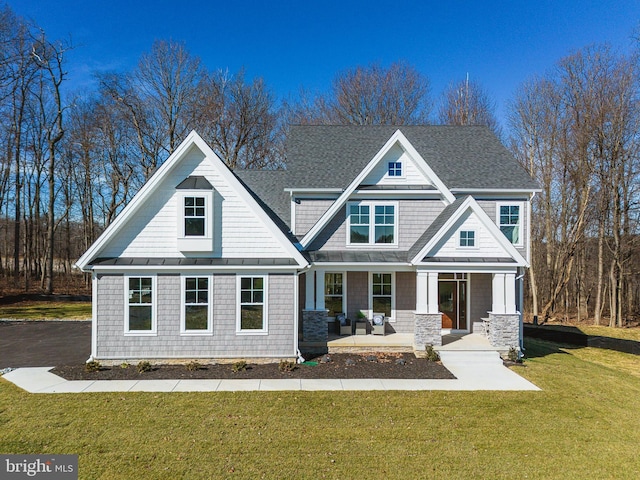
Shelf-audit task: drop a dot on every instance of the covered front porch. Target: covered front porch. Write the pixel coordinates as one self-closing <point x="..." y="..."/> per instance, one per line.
<point x="422" y="306"/>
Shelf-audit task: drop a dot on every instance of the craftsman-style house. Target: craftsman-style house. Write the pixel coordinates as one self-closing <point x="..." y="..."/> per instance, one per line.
<point x="418" y="230"/>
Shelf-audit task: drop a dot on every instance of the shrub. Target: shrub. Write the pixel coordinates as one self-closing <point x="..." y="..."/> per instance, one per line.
<point x="239" y="366"/>
<point x="193" y="366"/>
<point x="124" y="365"/>
<point x="513" y="355"/>
<point x="432" y="354"/>
<point x="144" y="366"/>
<point x="92" y="366"/>
<point x="287" y="366"/>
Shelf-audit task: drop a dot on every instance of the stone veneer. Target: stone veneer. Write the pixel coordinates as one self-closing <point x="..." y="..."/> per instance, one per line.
<point x="504" y="330"/>
<point x="427" y="330"/>
<point x="314" y="326"/>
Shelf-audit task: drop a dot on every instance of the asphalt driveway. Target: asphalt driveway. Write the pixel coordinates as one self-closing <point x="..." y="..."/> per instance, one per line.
<point x="44" y="344"/>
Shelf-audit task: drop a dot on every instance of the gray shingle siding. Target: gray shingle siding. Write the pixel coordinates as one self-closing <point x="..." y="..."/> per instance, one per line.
<point x="112" y="343"/>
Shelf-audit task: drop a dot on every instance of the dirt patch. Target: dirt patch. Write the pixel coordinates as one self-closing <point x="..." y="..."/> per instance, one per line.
<point x="342" y="366"/>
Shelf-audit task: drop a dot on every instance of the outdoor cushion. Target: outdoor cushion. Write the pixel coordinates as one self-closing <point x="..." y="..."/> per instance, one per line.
<point x="378" y="319"/>
<point x="342" y="318"/>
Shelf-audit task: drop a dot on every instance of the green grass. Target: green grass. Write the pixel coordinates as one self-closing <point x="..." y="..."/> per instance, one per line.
<point x="47" y="311"/>
<point x="584" y="424"/>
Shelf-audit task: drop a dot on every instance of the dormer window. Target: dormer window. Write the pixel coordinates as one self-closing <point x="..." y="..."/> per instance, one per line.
<point x="395" y="169"/>
<point x="195" y="215"/>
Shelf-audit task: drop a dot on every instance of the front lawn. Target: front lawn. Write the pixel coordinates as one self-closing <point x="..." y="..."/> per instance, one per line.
<point x="584" y="424"/>
<point x="47" y="311"/>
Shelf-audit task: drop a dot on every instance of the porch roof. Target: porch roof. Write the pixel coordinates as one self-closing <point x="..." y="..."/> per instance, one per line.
<point x="174" y="262"/>
<point x="359" y="256"/>
<point x="469" y="260"/>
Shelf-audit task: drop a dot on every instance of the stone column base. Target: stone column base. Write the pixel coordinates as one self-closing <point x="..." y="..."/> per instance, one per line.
<point x="504" y="330"/>
<point x="314" y="326"/>
<point x="427" y="330"/>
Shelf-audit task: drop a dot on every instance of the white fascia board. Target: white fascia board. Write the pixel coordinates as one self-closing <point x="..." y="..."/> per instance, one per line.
<point x="493" y="229"/>
<point x="489" y="191"/>
<point x="148" y="188"/>
<point x="399" y="138"/>
<point x="193" y="268"/>
<point x="442" y="267"/>
<point x="137" y="200"/>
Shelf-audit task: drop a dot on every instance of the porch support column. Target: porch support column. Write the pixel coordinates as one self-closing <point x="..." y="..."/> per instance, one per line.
<point x="432" y="300"/>
<point x="319" y="289"/>
<point x="422" y="288"/>
<point x="498" y="293"/>
<point x="309" y="290"/>
<point x="510" y="293"/>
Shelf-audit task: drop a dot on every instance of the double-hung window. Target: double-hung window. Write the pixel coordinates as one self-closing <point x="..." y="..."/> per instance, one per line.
<point x="140" y="305"/>
<point x="372" y="223"/>
<point x="196" y="312"/>
<point x="195" y="216"/>
<point x="252" y="305"/>
<point x="510" y="221"/>
<point x="382" y="293"/>
<point x="334" y="293"/>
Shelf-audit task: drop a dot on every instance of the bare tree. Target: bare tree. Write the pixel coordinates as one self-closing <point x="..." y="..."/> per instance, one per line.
<point x="371" y="95"/>
<point x="467" y="103"/>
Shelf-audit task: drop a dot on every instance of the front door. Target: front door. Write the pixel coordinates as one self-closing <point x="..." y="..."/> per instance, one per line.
<point x="452" y="295"/>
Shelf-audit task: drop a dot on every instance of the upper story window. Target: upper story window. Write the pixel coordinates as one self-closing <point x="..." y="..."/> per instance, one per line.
<point x="395" y="169"/>
<point x="372" y="223"/>
<point x="195" y="215"/>
<point x="510" y="221"/>
<point x="467" y="238"/>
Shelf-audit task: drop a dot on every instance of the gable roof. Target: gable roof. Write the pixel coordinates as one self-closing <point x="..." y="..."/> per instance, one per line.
<point x="396" y="138"/>
<point x="463" y="157"/>
<point x="193" y="140"/>
<point x="443" y="224"/>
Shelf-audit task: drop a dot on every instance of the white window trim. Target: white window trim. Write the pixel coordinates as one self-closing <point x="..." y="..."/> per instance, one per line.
<point x="520" y="219"/>
<point x="183" y="319"/>
<point x="372" y="204"/>
<point x="475" y="245"/>
<point x="154" y="307"/>
<point x="195" y="243"/>
<point x="370" y="313"/>
<point x="344" y="289"/>
<point x="402" y="170"/>
<point x="265" y="286"/>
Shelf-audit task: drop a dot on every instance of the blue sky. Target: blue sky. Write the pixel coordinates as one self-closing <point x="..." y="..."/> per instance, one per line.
<point x="305" y="43"/>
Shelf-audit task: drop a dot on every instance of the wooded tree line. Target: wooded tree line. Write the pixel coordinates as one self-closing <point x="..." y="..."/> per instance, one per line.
<point x="70" y="161"/>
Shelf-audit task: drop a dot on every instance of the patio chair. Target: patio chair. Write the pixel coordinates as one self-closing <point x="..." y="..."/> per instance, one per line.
<point x="344" y="324"/>
<point x="378" y="324"/>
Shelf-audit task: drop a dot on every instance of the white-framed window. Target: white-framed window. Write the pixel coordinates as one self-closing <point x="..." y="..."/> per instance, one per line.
<point x="195" y="216"/>
<point x="382" y="293"/>
<point x="467" y="239"/>
<point x="196" y="305"/>
<point x="251" y="311"/>
<point x="372" y="223"/>
<point x="140" y="305"/>
<point x="394" y="169"/>
<point x="335" y="292"/>
<point x="195" y="220"/>
<point x="510" y="221"/>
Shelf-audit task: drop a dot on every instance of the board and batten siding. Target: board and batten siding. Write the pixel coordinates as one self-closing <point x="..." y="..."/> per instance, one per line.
<point x="238" y="232"/>
<point x="168" y="343"/>
<point x="414" y="217"/>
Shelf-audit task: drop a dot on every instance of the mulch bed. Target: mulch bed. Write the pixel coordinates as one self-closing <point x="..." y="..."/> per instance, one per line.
<point x="387" y="365"/>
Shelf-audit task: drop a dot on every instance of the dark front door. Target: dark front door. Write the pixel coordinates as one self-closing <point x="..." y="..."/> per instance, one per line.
<point x="453" y="304"/>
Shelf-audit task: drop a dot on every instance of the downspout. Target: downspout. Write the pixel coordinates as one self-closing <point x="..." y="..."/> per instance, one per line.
<point x="296" y="306"/>
<point x="521" y="302"/>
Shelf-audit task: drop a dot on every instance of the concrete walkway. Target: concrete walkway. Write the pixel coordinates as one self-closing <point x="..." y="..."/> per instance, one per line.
<point x="473" y="370"/>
